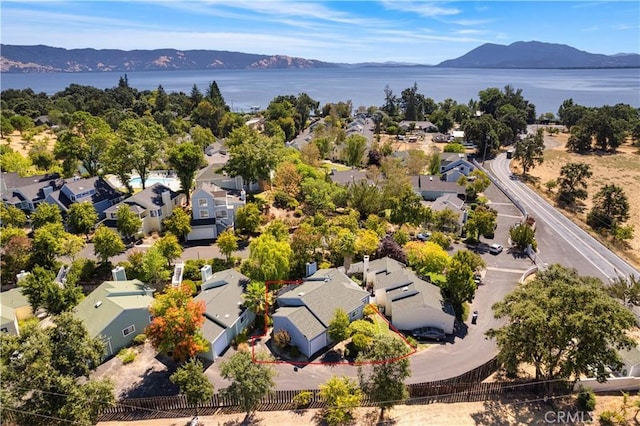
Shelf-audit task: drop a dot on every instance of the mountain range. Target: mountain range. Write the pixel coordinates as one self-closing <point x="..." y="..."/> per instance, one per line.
<point x="533" y="54"/>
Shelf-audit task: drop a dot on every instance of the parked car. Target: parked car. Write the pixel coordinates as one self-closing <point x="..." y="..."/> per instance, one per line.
<point x="424" y="236"/>
<point x="495" y="248"/>
<point x="430" y="333"/>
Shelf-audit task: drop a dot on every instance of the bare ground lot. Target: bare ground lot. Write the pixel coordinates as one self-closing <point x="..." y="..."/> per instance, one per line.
<point x="494" y="413"/>
<point x="621" y="168"/>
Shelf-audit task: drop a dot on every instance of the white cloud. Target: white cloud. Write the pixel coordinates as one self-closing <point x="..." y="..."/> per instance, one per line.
<point x="420" y="8"/>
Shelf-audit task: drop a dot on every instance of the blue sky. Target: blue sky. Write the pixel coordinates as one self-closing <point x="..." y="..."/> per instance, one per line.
<point x="334" y="31"/>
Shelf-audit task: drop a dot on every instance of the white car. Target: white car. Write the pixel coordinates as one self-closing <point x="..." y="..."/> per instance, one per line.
<point x="495" y="248"/>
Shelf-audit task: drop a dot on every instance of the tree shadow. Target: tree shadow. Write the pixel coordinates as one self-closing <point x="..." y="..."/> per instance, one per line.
<point x="154" y="383"/>
<point x="248" y="420"/>
<point x="372" y="418"/>
<point x="460" y="330"/>
<point x="497" y="413"/>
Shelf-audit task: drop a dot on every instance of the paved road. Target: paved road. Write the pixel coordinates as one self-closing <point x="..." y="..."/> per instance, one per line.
<point x="559" y="239"/>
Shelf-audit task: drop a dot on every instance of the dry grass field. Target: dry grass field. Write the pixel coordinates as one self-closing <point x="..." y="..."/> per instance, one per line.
<point x="621" y="168"/>
<point x="18" y="144"/>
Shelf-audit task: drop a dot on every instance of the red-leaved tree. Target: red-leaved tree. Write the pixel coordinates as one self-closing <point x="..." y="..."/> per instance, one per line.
<point x="175" y="329"/>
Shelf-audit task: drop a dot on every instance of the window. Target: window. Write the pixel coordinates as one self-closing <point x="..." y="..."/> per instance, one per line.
<point x="150" y="318"/>
<point x="129" y="330"/>
<point x="204" y="214"/>
<point x="114" y="216"/>
<point x="159" y="212"/>
<point x="154" y="213"/>
<point x="220" y="214"/>
<point x="202" y="202"/>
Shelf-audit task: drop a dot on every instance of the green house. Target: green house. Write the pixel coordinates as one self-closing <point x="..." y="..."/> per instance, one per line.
<point x="117" y="311"/>
<point x="14" y="307"/>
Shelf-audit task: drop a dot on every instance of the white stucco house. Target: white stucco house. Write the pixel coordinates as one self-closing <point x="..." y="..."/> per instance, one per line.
<point x="213" y="211"/>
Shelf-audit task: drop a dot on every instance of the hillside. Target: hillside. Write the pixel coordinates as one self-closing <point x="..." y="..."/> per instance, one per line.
<point x="38" y="59"/>
<point x="535" y="54"/>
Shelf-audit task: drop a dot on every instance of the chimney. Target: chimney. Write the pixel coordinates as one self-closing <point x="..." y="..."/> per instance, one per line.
<point x="310" y="268"/>
<point x="166" y="198"/>
<point x="178" y="270"/>
<point x="205" y="272"/>
<point x="365" y="269"/>
<point x="119" y="274"/>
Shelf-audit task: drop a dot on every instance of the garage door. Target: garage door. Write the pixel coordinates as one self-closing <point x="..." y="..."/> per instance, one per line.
<point x="202" y="233"/>
<point x="318" y="343"/>
<point x="219" y="345"/>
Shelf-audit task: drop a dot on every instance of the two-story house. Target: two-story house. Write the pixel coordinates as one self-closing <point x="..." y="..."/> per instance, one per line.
<point x="213" y="211"/>
<point x="152" y="205"/>
<point x="95" y="190"/>
<point x="454" y="165"/>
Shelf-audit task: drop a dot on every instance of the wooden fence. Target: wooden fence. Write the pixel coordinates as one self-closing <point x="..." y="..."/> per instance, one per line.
<point x="464" y="388"/>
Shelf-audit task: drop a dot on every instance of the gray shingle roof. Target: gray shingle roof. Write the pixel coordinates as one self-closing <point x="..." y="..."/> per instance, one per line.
<point x="222" y="295"/>
<point x="303" y="319"/>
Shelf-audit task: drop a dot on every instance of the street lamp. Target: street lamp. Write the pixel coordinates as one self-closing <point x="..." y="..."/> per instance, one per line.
<point x="486" y="143"/>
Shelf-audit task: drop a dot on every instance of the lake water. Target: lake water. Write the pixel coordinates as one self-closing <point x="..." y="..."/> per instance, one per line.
<point x="242" y="89"/>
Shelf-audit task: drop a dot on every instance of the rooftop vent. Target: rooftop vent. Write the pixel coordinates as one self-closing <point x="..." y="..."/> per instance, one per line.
<point x="405" y="288"/>
<point x="301" y="294"/>
<point x="98" y="304"/>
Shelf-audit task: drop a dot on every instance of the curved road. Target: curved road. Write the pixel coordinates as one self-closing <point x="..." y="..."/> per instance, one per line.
<point x="588" y="256"/>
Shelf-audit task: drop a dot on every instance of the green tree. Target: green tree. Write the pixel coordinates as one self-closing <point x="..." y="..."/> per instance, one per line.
<point x="269" y="259"/>
<point x="193" y="383"/>
<point x="169" y="247"/>
<point x="45" y="213"/>
<point x="127" y="221"/>
<point x="626" y="290"/>
<point x="179" y="223"/>
<point x="288" y="179"/>
<point x="484" y="220"/>
<point x="155" y="268"/>
<point x="116" y="159"/>
<point x="460" y="286"/>
<point x="383" y="383"/>
<point x="522" y="235"/>
<point x="21" y="123"/>
<point x="256" y="297"/>
<point x="354" y="149"/>
<point x="176" y="326"/>
<point x="147" y="139"/>
<point x="248" y="218"/>
<point x="572" y="183"/>
<point x="186" y="159"/>
<point x="406" y="208"/>
<point x="16" y="256"/>
<point x="366" y="242"/>
<point x="71" y="246"/>
<point x="478" y="183"/>
<point x="610" y="208"/>
<point x="12" y="216"/>
<point x="41" y="386"/>
<point x="562" y="340"/>
<point x="339" y="325"/>
<point x="365" y="198"/>
<point x="85" y="140"/>
<point x="342" y="395"/>
<point x="106" y="243"/>
<point x="426" y="257"/>
<point x="42" y="291"/>
<point x="471" y="259"/>
<point x="530" y="151"/>
<point x="227" y="243"/>
<point x="250" y="381"/>
<point x="81" y="218"/>
<point x="252" y="155"/>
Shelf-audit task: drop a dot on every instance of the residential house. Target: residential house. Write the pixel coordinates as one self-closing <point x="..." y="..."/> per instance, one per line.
<point x="348" y="177"/>
<point x="152" y="205"/>
<point x="454" y="165"/>
<point x="14" y="307"/>
<point x="431" y="187"/>
<point x="213" y="211"/>
<point x="28" y="193"/>
<point x="306" y="310"/>
<point x="95" y="190"/>
<point x="116" y="311"/>
<point x="212" y="175"/>
<point x="409" y="301"/>
<point x="453" y="203"/>
<point x="425" y="126"/>
<point x="225" y="316"/>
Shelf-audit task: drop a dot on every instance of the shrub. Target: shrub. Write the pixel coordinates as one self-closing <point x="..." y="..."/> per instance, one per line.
<point x="412" y="342"/>
<point x="369" y="310"/>
<point x="610" y="418"/>
<point x="281" y="338"/>
<point x="242" y="337"/>
<point x="361" y="342"/>
<point x="294" y="351"/>
<point x="586" y="399"/>
<point x="192" y="269"/>
<point x="192" y="286"/>
<point x="218" y="265"/>
<point x="140" y="339"/>
<point x="127" y="355"/>
<point x="303" y="399"/>
<point x="401" y="237"/>
<point x="244" y="347"/>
